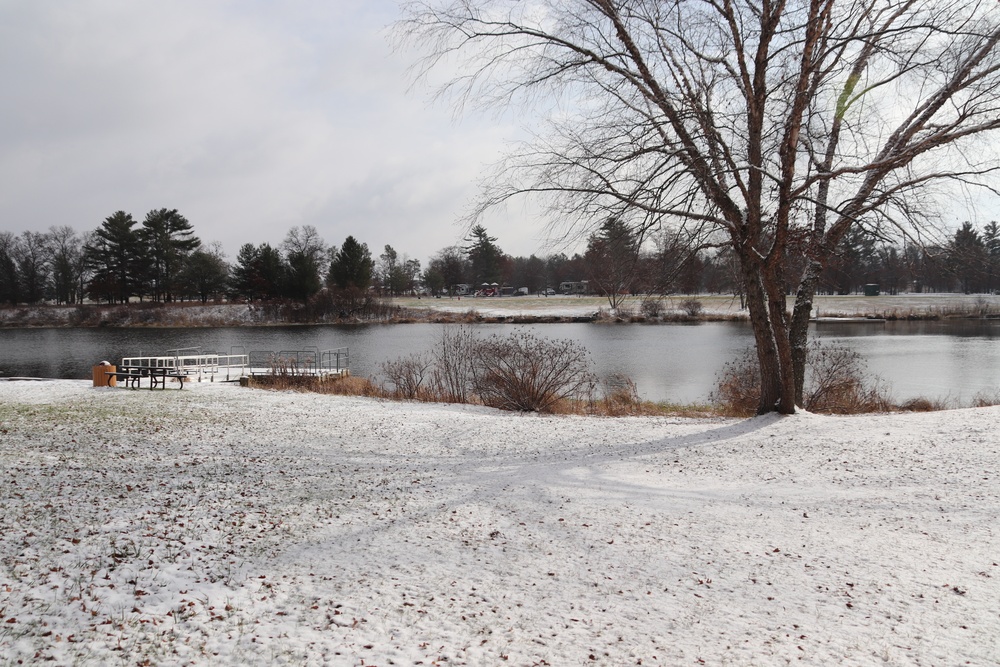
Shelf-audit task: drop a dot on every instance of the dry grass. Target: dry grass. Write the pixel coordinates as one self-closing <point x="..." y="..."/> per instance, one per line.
<point x="921" y="404"/>
<point x="347" y="385"/>
<point x="986" y="399"/>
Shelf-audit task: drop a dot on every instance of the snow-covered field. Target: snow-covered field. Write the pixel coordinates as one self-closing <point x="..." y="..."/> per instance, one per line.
<point x="714" y="305"/>
<point x="223" y="526"/>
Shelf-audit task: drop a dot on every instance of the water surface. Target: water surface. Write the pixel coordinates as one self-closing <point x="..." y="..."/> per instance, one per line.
<point x="675" y="362"/>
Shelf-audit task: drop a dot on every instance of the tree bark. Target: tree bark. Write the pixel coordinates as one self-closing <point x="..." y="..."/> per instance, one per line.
<point x="778" y="312"/>
<point x="763" y="331"/>
<point x="798" y="331"/>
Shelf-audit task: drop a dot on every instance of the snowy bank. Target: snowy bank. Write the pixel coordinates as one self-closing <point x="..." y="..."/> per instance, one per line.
<point x="218" y="525"/>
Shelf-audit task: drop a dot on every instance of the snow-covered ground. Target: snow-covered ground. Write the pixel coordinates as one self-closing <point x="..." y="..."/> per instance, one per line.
<point x="223" y="526"/>
<point x="714" y="305"/>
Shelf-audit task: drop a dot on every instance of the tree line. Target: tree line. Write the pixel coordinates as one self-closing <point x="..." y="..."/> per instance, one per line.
<point x="778" y="127"/>
<point x="161" y="260"/>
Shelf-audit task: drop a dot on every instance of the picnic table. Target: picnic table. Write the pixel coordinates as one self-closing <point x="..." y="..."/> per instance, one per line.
<point x="132" y="375"/>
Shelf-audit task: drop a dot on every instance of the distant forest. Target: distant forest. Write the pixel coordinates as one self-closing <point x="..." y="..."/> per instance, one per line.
<point x="160" y="259"/>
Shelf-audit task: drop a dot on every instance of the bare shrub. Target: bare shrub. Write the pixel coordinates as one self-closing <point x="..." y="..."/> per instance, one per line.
<point x="341" y="304"/>
<point x="625" y="311"/>
<point x="985" y="399"/>
<point x="451" y="375"/>
<point x="85" y="316"/>
<point x="621" y="397"/>
<point x="652" y="307"/>
<point x="407" y="375"/>
<point x="692" y="307"/>
<point x="738" y="388"/>
<point x="836" y="383"/>
<point x="524" y="372"/>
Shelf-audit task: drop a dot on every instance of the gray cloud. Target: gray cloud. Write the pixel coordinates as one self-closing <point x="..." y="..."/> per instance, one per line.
<point x="249" y="117"/>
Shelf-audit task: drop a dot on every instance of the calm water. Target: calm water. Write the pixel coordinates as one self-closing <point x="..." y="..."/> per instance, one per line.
<point x="668" y="362"/>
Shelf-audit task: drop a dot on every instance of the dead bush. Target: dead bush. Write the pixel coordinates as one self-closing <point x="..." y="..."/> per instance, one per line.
<point x="524" y="372"/>
<point x="737" y="390"/>
<point x="692" y="307"/>
<point x="986" y="399"/>
<point x="451" y="375"/>
<point x="652" y="307"/>
<point x="836" y="383"/>
<point x="624" y="311"/>
<point x="620" y="397"/>
<point x="406" y="375"/>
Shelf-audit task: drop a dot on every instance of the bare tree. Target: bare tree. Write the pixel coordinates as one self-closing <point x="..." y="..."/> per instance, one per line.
<point x="777" y="124"/>
<point x="305" y="240"/>
<point x="305" y="254"/>
<point x="33" y="255"/>
<point x="69" y="270"/>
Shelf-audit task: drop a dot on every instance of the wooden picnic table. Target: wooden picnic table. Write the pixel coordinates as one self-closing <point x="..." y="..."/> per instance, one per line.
<point x="131" y="376"/>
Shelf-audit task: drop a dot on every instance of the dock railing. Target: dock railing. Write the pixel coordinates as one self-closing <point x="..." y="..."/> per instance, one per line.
<point x="231" y="367"/>
<point x="192" y="363"/>
<point x="313" y="361"/>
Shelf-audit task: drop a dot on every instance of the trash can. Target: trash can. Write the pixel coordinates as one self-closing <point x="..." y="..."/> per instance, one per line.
<point x="100" y="377"/>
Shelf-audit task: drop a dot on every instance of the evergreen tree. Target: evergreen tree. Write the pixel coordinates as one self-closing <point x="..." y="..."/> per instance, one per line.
<point x="389" y="274"/>
<point x="113" y="255"/>
<point x="612" y="259"/>
<point x="241" y="273"/>
<point x="991" y="241"/>
<point x="967" y="258"/>
<point x="259" y="273"/>
<point x="204" y="274"/>
<point x="352" y="266"/>
<point x="434" y="280"/>
<point x="303" y="276"/>
<point x="484" y="257"/>
<point x="166" y="237"/>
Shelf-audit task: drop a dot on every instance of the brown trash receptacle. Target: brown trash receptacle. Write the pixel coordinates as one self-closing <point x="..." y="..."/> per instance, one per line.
<point x="100" y="377"/>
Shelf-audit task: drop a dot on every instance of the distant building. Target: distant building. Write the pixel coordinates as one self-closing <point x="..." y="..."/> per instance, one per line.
<point x="574" y="287"/>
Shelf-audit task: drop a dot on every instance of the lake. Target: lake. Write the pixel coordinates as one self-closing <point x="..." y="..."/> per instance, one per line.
<point x="952" y="360"/>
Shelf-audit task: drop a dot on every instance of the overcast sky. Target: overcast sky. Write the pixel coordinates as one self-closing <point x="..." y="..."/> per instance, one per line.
<point x="248" y="116"/>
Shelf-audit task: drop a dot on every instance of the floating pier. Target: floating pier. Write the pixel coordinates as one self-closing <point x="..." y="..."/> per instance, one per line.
<point x="314" y="362"/>
<point x="192" y="363"/>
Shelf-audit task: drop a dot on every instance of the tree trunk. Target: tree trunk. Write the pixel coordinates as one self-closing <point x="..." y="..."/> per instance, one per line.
<point x="778" y="311"/>
<point x="798" y="331"/>
<point x="763" y="331"/>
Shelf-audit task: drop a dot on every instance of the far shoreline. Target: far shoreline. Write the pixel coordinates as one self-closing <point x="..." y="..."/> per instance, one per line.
<point x="528" y="310"/>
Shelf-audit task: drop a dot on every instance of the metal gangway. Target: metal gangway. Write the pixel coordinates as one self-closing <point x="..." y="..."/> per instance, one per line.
<point x="311" y="361"/>
<point x="191" y="362"/>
